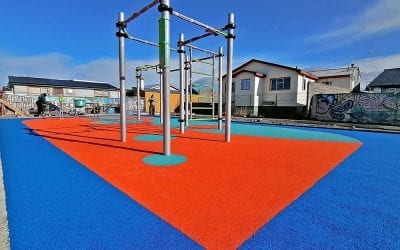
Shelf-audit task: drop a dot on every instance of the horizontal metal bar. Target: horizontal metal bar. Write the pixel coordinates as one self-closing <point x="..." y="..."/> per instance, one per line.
<point x="203" y="59"/>
<point x="143" y="41"/>
<point x="173" y="70"/>
<point x="202" y="85"/>
<point x="198" y="108"/>
<point x="146" y="42"/>
<point x="203" y="50"/>
<point x="141" y="11"/>
<point x="146" y="67"/>
<point x="196" y="38"/>
<point x="201" y="73"/>
<point x="208" y="63"/>
<point x="191" y="20"/>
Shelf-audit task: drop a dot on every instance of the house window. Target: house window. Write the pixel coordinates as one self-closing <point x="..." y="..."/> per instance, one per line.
<point x="245" y="84"/>
<point x="280" y="83"/>
<point x="233" y="87"/>
<point x="304" y="84"/>
<point x="329" y="83"/>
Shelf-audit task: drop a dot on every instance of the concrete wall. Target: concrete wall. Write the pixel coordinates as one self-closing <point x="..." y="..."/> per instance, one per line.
<point x="340" y="82"/>
<point x="357" y="108"/>
<point x="315" y="88"/>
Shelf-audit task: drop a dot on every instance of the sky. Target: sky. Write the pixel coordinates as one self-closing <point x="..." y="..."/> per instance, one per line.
<point x="71" y="39"/>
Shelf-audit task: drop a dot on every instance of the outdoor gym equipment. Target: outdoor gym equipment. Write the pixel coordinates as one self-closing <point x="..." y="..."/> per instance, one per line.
<point x="164" y="63"/>
<point x="187" y="77"/>
<point x="139" y="78"/>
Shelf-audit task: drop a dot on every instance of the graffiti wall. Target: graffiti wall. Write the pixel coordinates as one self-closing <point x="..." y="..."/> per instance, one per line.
<point x="357" y="108"/>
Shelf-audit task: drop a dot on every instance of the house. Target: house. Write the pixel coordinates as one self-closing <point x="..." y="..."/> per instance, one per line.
<point x="261" y="88"/>
<point x="33" y="86"/>
<point x="25" y="91"/>
<point x="386" y="82"/>
<point x="347" y="78"/>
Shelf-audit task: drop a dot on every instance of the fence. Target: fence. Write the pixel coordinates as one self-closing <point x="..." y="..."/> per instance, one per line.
<point x="28" y="103"/>
<point x="357" y="108"/>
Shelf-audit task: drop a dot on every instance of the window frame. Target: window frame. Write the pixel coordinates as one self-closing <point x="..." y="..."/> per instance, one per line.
<point x="279" y="84"/>
<point x="245" y="81"/>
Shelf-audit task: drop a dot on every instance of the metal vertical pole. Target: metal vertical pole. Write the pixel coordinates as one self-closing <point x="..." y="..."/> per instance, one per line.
<point x="122" y="116"/>
<point x="187" y="68"/>
<point x="228" y="111"/>
<point x="220" y="88"/>
<point x="191" y="82"/>
<point x="164" y="56"/>
<point x="138" y="79"/>
<point x="213" y="83"/>
<point x="181" y="51"/>
<point x="161" y="97"/>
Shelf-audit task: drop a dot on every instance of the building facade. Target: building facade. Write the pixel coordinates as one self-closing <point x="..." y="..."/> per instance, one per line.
<point x="386" y="82"/>
<point x="65" y="93"/>
<point x="261" y="88"/>
<point x="346" y="78"/>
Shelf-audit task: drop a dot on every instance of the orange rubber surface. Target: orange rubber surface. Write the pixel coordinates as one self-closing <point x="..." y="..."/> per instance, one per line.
<point x="221" y="195"/>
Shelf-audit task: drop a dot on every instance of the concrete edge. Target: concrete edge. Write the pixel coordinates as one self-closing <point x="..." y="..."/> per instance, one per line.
<point x="4" y="231"/>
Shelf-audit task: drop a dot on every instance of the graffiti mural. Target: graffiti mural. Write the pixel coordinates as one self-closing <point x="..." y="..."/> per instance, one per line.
<point x="358" y="108"/>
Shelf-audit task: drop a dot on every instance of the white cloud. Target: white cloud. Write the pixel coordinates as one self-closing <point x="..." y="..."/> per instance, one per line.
<point x="49" y="65"/>
<point x="379" y="18"/>
<point x="61" y="66"/>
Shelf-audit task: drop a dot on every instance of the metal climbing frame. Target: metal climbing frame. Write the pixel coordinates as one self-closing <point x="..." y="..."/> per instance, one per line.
<point x="139" y="78"/>
<point x="212" y="75"/>
<point x="164" y="63"/>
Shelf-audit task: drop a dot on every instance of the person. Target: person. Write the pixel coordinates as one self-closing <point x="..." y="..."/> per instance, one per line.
<point x="96" y="110"/>
<point x="40" y="103"/>
<point x="152" y="100"/>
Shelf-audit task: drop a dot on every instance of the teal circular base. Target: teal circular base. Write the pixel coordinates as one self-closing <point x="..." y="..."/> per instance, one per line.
<point x="164" y="160"/>
<point x="150" y="138"/>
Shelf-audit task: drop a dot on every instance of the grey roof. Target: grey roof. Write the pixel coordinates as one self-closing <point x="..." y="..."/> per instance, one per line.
<point x="45" y="82"/>
<point x="326" y="73"/>
<point x="389" y="77"/>
<point x="299" y="71"/>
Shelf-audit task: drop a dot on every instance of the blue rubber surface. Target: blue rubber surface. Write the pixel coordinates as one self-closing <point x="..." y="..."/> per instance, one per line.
<point x="354" y="206"/>
<point x="54" y="202"/>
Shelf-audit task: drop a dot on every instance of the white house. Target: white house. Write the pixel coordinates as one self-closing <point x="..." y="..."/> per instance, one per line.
<point x="270" y="89"/>
<point x="347" y="78"/>
<point x="261" y="86"/>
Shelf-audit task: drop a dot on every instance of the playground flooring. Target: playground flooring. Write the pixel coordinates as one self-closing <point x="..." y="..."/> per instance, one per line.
<point x="71" y="183"/>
